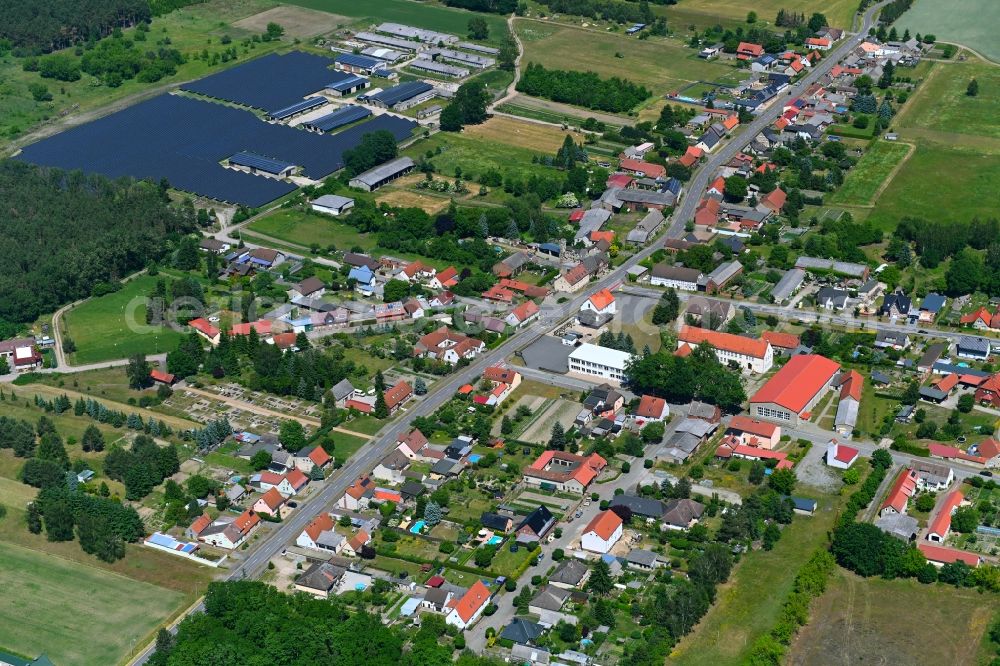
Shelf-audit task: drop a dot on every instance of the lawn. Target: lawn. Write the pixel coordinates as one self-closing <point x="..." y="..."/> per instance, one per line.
<point x="839" y="12"/>
<point x="747" y="606"/>
<point x="860" y="621"/>
<point x="48" y="597"/>
<point x="104" y="383"/>
<point x="942" y="104"/>
<point x="521" y="134"/>
<point x="114" y="326"/>
<point x="951" y="184"/>
<point x="190" y="30"/>
<point x="965" y="22"/>
<point x="871" y="171"/>
<point x="421" y="15"/>
<point x="305" y="228"/>
<point x="346" y="445"/>
<point x="661" y="64"/>
<point x="474" y="154"/>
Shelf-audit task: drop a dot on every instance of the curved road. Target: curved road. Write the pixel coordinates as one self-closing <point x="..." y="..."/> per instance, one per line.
<point x="552" y="315"/>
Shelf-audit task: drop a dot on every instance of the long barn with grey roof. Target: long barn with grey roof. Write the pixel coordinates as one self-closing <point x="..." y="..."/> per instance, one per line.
<point x="375" y="178"/>
<point x="428" y="65"/>
<point x="385" y="40"/>
<point x="420" y="34"/>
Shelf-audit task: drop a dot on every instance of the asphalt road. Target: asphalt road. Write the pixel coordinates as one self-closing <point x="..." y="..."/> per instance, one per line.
<point x="551" y="316"/>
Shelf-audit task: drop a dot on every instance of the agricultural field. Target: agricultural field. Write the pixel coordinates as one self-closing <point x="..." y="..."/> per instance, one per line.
<point x="870" y="174"/>
<point x="512" y="132"/>
<point x="662" y="65"/>
<point x="942" y="105"/>
<point x="47" y="596"/>
<point x="404" y="198"/>
<point x="966" y="22"/>
<point x="305" y="229"/>
<point x="297" y="21"/>
<point x="859" y="620"/>
<point x="475" y="154"/>
<point x="190" y="30"/>
<point x="114" y="326"/>
<point x="840" y="13"/>
<point x="747" y="606"/>
<point x="420" y="15"/>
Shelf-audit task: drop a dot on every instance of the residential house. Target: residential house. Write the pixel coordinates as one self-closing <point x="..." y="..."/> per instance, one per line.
<point x="446" y="279"/>
<point x="206" y="330"/>
<point x="269" y="503"/>
<point x="752" y="432"/>
<point x="571" y="573"/>
<point x="988" y="392"/>
<point x="437" y="599"/>
<point x="343" y="391"/>
<point x="930" y="306"/>
<point x="677" y="277"/>
<point x="933" y="477"/>
<point x="564" y="471"/>
<point x="228" y="532"/>
<point x="449" y="346"/>
<point x="749" y="51"/>
<point x="652" y="408"/>
<point x="900" y="493"/>
<point x="320" y="535"/>
<point x="311" y="287"/>
<point x="497" y="522"/>
<point x="354" y="545"/>
<point x="602" y="533"/>
<point x="709" y="313"/>
<point x="547" y="605"/>
<point x="641" y="559"/>
<point x="896" y="304"/>
<point x="469" y="607"/>
<point x="781" y="343"/>
<point x="411" y="444"/>
<point x="358" y="495"/>
<point x="312" y="457"/>
<point x="973" y="347"/>
<point x="536" y="525"/>
<point x="214" y="246"/>
<point x="840" y="456"/>
<point x="892" y="340"/>
<point x="681" y="514"/>
<point x="831" y="298"/>
<point x="363" y="278"/>
<point x="601" y="302"/>
<point x="288" y="484"/>
<point x="390" y="469"/>
<point x="757" y="356"/>
<point x="721" y="277"/>
<point x="573" y="279"/>
<point x="940" y="524"/>
<point x="522" y="632"/>
<point x="522" y="314"/>
<point x="321" y="579"/>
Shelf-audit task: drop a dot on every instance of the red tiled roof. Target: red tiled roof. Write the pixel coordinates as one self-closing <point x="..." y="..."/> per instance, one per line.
<point x="271" y="478"/>
<point x="719" y="185"/>
<point x="202" y="325"/>
<point x="496" y="373"/>
<point x="358" y="540"/>
<point x="414" y="440"/>
<point x="575" y="274"/>
<point x="284" y="340"/>
<point x="199" y="525"/>
<point x="604" y="524"/>
<point x="319" y="456"/>
<point x="359" y="488"/>
<point x="943" y="450"/>
<point x="942" y="521"/>
<point x="363" y="407"/>
<point x="730" y="122"/>
<point x="321" y="523"/>
<point x="850" y="386"/>
<point x="525" y="311"/>
<point x="272" y="499"/>
<point x="650" y="407"/>
<point x="577" y="214"/>
<point x="246" y="521"/>
<point x="980" y="314"/>
<point x="707" y="212"/>
<point x="158" y="376"/>
<point x="448" y="277"/>
<point x="947" y="383"/>
<point x="817" y="41"/>
<point x="385" y="495"/>
<point x="901" y="491"/>
<point x="602" y="299"/>
<point x="262" y="326"/>
<point x="845" y="454"/>
<point x="947" y="555"/>
<point x="749" y="48"/>
<point x="775" y="199"/>
<point x="651" y="170"/>
<point x="585" y="471"/>
<point x="475" y="598"/>
<point x="797" y="382"/>
<point x="296" y="478"/>
<point x="614" y="180"/>
<point x="598" y="236"/>
<point x="989" y="448"/>
<point x="752" y="426"/>
<point x="434" y="581"/>
<point x="466" y="389"/>
<point x="724" y="341"/>
<point x="732" y="445"/>
<point x="398" y="393"/>
<point x="683" y="351"/>
<point x="782" y="340"/>
<point x="498" y="293"/>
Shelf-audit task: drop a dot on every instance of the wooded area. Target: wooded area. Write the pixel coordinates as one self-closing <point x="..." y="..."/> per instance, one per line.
<point x="40" y="27"/>
<point x="585" y="89"/>
<point x="67" y="233"/>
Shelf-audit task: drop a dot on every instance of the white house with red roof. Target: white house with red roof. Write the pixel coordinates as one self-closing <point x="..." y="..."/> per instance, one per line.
<point x="449" y="346"/>
<point x="795" y="389"/>
<point x="522" y="314"/>
<point x="228" y="532"/>
<point x="446" y="279"/>
<point x="206" y="330"/>
<point x="564" y="471"/>
<point x="269" y="503"/>
<point x="819" y="43"/>
<point x="752" y="432"/>
<point x="416" y="271"/>
<point x="749" y="51"/>
<point x="757" y="356"/>
<point x="397" y="395"/>
<point x="732" y="447"/>
<point x="358" y="495"/>
<point x="652" y="408"/>
<point x="466" y="610"/>
<point x="840" y="456"/>
<point x="288" y="484"/>
<point x="940" y="525"/>
<point x="320" y="535"/>
<point x="940" y="555"/>
<point x="602" y="302"/>
<point x="900" y="493"/>
<point x="602" y="533"/>
<point x="261" y="326"/>
<point x="411" y="443"/>
<point x="311" y="457"/>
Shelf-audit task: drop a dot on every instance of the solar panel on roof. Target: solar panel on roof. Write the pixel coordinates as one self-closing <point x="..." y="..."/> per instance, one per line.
<point x="298" y="107"/>
<point x="347" y="84"/>
<point x="338" y="118"/>
<point x="183" y="140"/>
<point x="270" y="82"/>
<point x="255" y="161"/>
<point x="402" y="92"/>
<point x="356" y="60"/>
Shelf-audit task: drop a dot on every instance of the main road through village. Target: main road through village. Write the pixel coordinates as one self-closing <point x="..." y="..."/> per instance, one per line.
<point x="552" y="316"/>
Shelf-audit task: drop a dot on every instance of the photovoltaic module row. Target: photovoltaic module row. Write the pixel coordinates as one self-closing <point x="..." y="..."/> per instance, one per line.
<point x="271" y="82"/>
<point x="184" y="140"/>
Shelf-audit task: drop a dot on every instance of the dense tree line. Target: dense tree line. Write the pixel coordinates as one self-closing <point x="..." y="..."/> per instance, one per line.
<point x="488" y="6"/>
<point x="893" y="11"/>
<point x="698" y="376"/>
<point x="936" y="240"/>
<point x="67" y="233"/>
<point x="161" y="7"/>
<point x="467" y="108"/>
<point x="585" y="89"/>
<point x="117" y="59"/>
<point x="842" y="239"/>
<point x="618" y="11"/>
<point x="293" y="630"/>
<point x="375" y="148"/>
<point x="141" y="467"/>
<point x="102" y="525"/>
<point x="36" y="27"/>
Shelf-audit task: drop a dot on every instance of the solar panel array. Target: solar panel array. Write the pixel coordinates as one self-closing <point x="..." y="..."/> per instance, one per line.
<point x="298" y="107"/>
<point x="401" y="93"/>
<point x="184" y="140"/>
<point x="338" y="118"/>
<point x="271" y="82"/>
<point x="255" y="161"/>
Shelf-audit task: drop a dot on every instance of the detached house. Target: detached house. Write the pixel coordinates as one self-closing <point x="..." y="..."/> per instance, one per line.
<point x="468" y="609"/>
<point x="602" y="533"/>
<point x="522" y="314"/>
<point x="601" y="302"/>
<point x="320" y="535"/>
<point x="748" y="51"/>
<point x="448" y="346"/>
<point x="564" y="471"/>
<point x="311" y="457"/>
<point x="358" y="495"/>
<point x="226" y="532"/>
